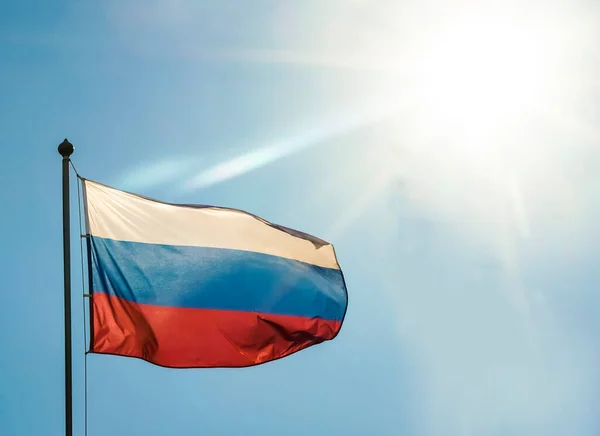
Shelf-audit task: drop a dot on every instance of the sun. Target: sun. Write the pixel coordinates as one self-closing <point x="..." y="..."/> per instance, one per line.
<point x="479" y="77"/>
<point x="470" y="146"/>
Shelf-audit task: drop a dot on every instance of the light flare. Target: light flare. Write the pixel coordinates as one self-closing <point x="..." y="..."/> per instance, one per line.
<point x="262" y="156"/>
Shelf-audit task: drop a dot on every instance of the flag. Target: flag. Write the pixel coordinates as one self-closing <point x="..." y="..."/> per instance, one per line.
<point x="190" y="286"/>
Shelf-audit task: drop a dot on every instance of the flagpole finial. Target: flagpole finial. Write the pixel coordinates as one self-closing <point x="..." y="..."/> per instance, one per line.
<point x="65" y="149"/>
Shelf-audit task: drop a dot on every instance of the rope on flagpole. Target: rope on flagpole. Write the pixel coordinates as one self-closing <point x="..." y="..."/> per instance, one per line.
<point x="78" y="176"/>
<point x="85" y="399"/>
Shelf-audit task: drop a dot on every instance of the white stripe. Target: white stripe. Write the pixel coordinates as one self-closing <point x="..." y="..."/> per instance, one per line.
<point x="122" y="216"/>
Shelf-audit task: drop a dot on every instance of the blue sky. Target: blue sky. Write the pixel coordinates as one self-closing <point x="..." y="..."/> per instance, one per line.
<point x="449" y="152"/>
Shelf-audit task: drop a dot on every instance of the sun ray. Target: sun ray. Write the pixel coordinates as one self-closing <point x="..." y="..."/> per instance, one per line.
<point x="260" y="157"/>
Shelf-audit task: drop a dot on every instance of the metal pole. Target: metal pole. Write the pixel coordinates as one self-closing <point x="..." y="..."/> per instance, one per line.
<point x="66" y="149"/>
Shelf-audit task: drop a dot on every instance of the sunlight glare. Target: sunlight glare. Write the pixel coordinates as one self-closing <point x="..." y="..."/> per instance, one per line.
<point x="478" y="77"/>
<point x="473" y="151"/>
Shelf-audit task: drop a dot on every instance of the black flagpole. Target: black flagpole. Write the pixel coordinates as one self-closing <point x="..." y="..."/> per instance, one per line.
<point x="66" y="149"/>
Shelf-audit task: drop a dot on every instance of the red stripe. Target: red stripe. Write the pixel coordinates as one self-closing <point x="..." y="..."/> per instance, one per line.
<point x="195" y="338"/>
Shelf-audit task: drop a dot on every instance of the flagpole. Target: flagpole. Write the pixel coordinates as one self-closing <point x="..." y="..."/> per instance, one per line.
<point x="66" y="149"/>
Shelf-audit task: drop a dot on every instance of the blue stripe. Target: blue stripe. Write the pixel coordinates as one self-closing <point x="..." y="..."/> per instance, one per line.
<point x="216" y="278"/>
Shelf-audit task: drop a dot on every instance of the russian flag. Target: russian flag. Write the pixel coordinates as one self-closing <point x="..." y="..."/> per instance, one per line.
<point x="190" y="286"/>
